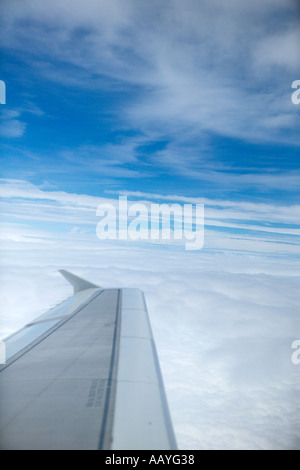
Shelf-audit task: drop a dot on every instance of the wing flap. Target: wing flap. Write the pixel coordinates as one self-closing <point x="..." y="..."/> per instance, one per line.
<point x="141" y="418"/>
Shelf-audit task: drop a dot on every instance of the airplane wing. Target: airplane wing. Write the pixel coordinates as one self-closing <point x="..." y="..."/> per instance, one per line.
<point x="85" y="375"/>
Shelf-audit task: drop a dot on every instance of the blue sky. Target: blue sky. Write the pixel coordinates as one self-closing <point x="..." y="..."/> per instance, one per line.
<point x="185" y="101"/>
<point x="191" y="97"/>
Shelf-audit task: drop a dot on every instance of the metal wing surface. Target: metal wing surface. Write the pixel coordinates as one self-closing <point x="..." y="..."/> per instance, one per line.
<point x="85" y="375"/>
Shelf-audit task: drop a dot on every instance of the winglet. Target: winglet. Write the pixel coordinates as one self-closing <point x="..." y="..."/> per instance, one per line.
<point x="77" y="282"/>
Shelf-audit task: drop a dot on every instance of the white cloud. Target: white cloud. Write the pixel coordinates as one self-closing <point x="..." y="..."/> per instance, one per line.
<point x="279" y="50"/>
<point x="224" y="319"/>
<point x="229" y="225"/>
<point x="200" y="66"/>
<point x="10" y="125"/>
<point x="223" y="334"/>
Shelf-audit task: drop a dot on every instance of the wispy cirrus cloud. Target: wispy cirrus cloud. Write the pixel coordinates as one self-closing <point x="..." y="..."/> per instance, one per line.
<point x="12" y="121"/>
<point x="201" y="65"/>
<point x="199" y="90"/>
<point x="229" y="225"/>
<point x="10" y="124"/>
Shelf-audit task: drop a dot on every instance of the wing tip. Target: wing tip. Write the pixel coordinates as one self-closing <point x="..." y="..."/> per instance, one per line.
<point x="78" y="283"/>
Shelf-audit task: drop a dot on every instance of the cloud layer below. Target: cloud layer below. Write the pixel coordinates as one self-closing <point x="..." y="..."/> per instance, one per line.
<point x="224" y="318"/>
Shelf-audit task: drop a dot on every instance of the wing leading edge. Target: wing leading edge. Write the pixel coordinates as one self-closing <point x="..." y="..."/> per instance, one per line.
<point x="85" y="375"/>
